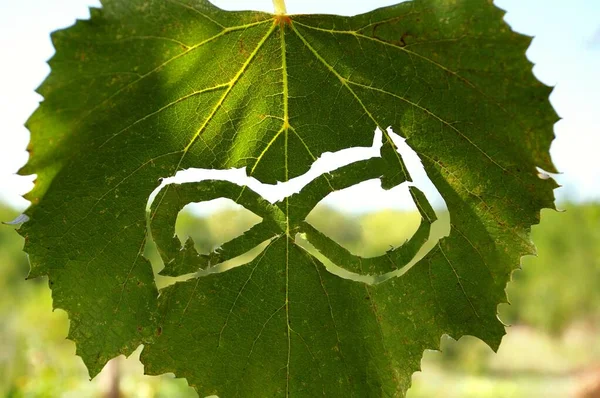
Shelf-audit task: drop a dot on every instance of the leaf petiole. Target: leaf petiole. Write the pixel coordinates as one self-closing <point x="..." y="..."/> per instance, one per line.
<point x="279" y="7"/>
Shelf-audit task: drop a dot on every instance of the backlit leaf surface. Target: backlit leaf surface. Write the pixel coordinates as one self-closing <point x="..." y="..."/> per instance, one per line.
<point x="147" y="88"/>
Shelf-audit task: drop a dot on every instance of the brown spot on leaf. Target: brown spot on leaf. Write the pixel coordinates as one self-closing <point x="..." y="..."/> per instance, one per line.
<point x="242" y="49"/>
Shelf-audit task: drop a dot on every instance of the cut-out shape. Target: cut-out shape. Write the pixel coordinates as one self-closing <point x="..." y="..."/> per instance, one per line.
<point x="287" y="216"/>
<point x="370" y="232"/>
<point x="180" y="261"/>
<point x="214" y="223"/>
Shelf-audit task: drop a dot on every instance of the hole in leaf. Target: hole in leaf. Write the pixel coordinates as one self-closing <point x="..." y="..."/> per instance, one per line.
<point x="334" y="268"/>
<point x="214" y="223"/>
<point x="166" y="281"/>
<point x="362" y="204"/>
<point x="386" y="199"/>
<point x="359" y="219"/>
<point x="238" y="261"/>
<point x="210" y="225"/>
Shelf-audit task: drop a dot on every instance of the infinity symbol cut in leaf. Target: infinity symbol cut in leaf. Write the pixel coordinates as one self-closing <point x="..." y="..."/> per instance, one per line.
<point x="185" y="260"/>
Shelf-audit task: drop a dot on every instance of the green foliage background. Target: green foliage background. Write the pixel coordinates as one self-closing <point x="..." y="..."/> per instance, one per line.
<point x="98" y="156"/>
<point x="556" y="313"/>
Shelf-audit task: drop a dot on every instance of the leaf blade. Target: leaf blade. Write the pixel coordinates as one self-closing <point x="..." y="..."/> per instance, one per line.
<point x="273" y="95"/>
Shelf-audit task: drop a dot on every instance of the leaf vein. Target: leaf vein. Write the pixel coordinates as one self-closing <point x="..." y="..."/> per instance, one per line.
<point x="458" y="278"/>
<point x="197" y="12"/>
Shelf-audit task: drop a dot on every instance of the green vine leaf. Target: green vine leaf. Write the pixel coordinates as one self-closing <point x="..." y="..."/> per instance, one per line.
<point x="147" y="88"/>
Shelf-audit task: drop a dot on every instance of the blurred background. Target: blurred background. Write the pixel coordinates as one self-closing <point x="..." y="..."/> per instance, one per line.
<point x="553" y="346"/>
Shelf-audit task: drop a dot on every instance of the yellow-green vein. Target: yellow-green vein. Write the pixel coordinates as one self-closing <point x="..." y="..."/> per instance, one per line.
<point x="344" y="83"/>
<point x="230" y="87"/>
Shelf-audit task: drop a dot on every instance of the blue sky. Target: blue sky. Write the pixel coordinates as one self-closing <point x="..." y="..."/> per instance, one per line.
<point x="566" y="51"/>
